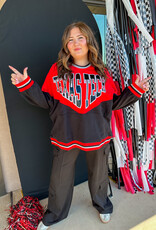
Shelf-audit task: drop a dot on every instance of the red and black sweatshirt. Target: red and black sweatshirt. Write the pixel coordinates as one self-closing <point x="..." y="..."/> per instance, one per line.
<point x="80" y="107"/>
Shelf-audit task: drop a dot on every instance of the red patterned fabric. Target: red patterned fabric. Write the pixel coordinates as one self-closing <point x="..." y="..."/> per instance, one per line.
<point x="26" y="214"/>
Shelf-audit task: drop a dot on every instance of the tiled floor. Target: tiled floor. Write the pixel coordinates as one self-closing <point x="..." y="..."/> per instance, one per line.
<point x="129" y="210"/>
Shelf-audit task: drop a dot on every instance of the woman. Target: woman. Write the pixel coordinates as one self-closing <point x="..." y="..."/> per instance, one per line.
<point x="80" y="95"/>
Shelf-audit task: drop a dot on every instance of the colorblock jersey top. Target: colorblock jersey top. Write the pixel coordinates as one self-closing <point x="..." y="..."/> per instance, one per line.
<point x="80" y="107"/>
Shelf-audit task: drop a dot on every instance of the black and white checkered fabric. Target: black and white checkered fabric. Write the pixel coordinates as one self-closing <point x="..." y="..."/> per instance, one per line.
<point x="124" y="145"/>
<point x="144" y="160"/>
<point x="145" y="12"/>
<point x="149" y="171"/>
<point x="116" y="55"/>
<point x="150" y="72"/>
<point x="150" y="94"/>
<point x="130" y="116"/>
<point x="117" y="62"/>
<point x="111" y="57"/>
<point x="150" y="176"/>
<point x="140" y="148"/>
<point x="125" y="148"/>
<point x="151" y="143"/>
<point x="124" y="62"/>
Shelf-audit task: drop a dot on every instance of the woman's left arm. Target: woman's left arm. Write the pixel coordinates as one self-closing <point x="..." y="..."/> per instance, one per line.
<point x="131" y="94"/>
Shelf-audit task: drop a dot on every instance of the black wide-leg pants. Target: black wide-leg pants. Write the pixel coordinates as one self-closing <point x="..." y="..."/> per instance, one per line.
<point x="62" y="182"/>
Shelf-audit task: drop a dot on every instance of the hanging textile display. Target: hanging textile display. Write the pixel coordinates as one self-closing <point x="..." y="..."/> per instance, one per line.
<point x="131" y="51"/>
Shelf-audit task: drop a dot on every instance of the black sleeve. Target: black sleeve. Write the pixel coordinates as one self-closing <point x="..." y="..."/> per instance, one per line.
<point x="35" y="96"/>
<point x="32" y="93"/>
<point x="129" y="96"/>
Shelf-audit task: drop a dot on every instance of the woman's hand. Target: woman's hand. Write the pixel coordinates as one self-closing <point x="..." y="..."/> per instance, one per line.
<point x="144" y="84"/>
<point x="17" y="77"/>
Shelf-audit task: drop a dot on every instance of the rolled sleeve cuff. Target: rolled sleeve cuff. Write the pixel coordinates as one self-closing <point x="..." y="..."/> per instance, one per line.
<point x="24" y="85"/>
<point x="136" y="90"/>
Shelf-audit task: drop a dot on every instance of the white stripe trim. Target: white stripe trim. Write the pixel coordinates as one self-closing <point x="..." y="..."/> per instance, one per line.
<point x="85" y="147"/>
<point x="24" y="84"/>
<point x="81" y="67"/>
<point x="136" y="89"/>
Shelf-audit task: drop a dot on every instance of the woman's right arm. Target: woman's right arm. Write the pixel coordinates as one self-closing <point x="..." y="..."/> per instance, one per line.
<point x="30" y="90"/>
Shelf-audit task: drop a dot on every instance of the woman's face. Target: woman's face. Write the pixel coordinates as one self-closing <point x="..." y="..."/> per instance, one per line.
<point x="77" y="46"/>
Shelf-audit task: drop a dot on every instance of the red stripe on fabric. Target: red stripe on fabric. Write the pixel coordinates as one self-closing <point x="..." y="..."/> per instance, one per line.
<point x="133" y="6"/>
<point x="134" y="92"/>
<point x="127" y="180"/>
<point x="122" y="124"/>
<point x="129" y="177"/>
<point x="27" y="86"/>
<point x="150" y="165"/>
<point x="122" y="170"/>
<point x="113" y="124"/>
<point x="140" y="182"/>
<point x="154" y="40"/>
<point x="153" y="117"/>
<point x="155" y="148"/>
<point x="80" y="147"/>
<point x="23" y="82"/>
<point x="81" y="143"/>
<point x="138" y="88"/>
<point x="129" y="144"/>
<point x="149" y="121"/>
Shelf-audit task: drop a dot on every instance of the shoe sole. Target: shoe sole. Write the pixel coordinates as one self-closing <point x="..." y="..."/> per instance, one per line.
<point x="105" y="222"/>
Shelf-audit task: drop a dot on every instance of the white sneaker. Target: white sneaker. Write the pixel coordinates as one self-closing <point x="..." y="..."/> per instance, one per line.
<point x="41" y="226"/>
<point x="105" y="218"/>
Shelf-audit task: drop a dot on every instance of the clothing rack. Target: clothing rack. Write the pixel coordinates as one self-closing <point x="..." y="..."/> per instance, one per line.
<point x="131" y="51"/>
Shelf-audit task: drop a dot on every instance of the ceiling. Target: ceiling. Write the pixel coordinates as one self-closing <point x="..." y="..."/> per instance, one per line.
<point x="95" y="3"/>
<point x="96" y="7"/>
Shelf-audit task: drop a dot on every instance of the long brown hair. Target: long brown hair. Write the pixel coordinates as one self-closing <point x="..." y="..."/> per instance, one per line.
<point x="65" y="60"/>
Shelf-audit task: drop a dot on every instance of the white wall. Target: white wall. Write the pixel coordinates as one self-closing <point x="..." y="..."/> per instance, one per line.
<point x="7" y="155"/>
